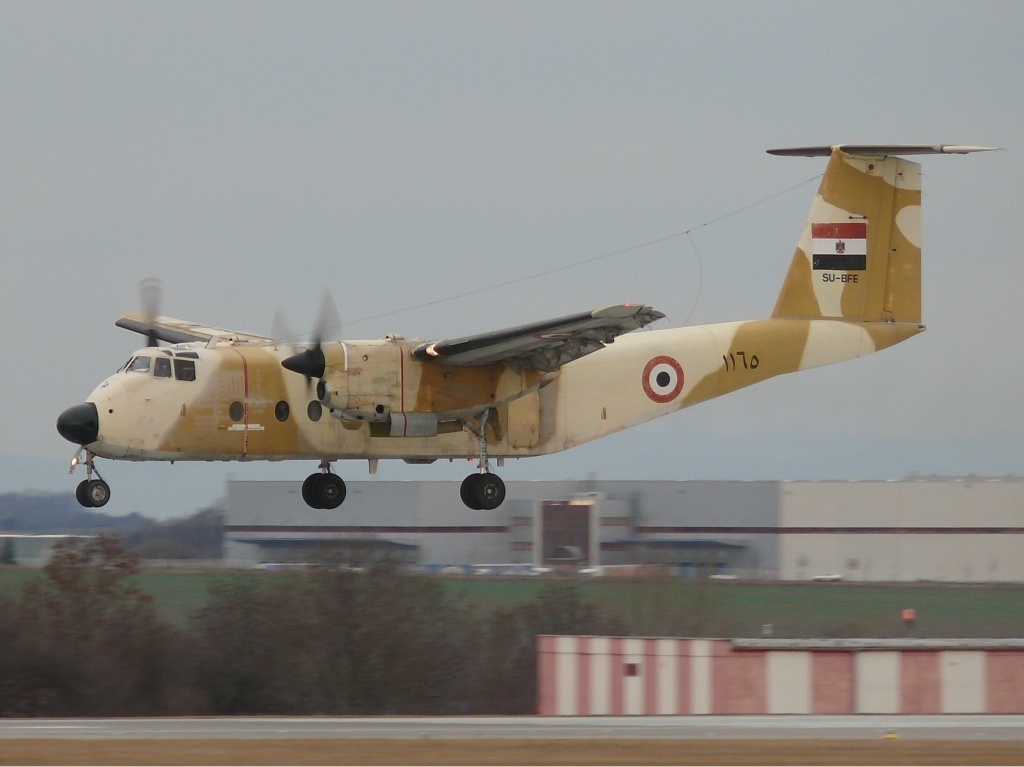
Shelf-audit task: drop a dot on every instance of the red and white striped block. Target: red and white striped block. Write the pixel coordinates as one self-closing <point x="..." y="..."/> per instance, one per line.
<point x="593" y="676"/>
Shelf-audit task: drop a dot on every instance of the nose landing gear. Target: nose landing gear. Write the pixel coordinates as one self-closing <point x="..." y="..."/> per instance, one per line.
<point x="90" y="493"/>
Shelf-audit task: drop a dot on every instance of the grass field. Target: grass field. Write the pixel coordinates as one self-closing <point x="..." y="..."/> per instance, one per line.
<point x="811" y="610"/>
<point x="673" y="607"/>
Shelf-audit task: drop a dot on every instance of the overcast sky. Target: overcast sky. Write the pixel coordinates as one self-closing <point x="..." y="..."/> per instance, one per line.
<point x="251" y="154"/>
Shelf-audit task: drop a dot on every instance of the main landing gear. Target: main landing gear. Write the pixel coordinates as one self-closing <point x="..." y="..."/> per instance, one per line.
<point x="483" y="490"/>
<point x="90" y="493"/>
<point x="323" y="490"/>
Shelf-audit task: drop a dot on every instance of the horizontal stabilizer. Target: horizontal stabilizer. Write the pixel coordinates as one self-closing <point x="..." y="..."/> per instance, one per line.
<point x="879" y="150"/>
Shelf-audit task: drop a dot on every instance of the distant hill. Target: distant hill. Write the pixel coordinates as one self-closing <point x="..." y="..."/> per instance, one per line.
<point x="196" y="537"/>
<point x="199" y="536"/>
<point x="43" y="513"/>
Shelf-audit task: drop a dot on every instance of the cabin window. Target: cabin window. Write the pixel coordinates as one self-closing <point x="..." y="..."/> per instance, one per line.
<point x="281" y="411"/>
<point x="314" y="410"/>
<point x="162" y="367"/>
<point x="184" y="370"/>
<point x="140" y="365"/>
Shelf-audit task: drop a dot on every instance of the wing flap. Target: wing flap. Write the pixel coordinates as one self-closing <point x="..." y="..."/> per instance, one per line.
<point x="545" y="345"/>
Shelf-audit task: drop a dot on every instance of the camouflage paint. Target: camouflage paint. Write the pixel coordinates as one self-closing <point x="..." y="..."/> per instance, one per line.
<point x="818" y="320"/>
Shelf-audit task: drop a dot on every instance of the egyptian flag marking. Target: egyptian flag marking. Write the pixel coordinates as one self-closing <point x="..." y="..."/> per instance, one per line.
<point x="840" y="247"/>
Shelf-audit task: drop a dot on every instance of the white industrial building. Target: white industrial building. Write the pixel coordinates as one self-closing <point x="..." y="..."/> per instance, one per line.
<point x="935" y="529"/>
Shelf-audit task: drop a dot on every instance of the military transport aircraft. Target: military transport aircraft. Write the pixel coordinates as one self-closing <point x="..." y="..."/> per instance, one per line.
<point x="853" y="287"/>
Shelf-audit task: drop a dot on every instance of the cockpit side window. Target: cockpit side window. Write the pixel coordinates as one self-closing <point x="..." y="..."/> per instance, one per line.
<point x="162" y="367"/>
<point x="184" y="370"/>
<point x="140" y="365"/>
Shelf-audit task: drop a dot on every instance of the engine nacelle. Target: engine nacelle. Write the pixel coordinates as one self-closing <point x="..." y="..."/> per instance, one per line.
<point x="333" y="394"/>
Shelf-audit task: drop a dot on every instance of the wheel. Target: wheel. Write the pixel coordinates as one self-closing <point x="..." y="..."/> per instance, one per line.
<point x="482" y="491"/>
<point x="80" y="495"/>
<point x="97" y="492"/>
<point x="330" y="491"/>
<point x="490" y="491"/>
<point x="468" y="492"/>
<point x="309" y="492"/>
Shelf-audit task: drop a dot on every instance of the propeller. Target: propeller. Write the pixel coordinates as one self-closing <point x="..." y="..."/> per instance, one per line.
<point x="311" y="362"/>
<point x="150" y="293"/>
<point x="281" y="330"/>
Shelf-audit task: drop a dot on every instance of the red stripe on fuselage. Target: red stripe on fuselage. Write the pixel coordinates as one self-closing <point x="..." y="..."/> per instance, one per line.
<point x="245" y="403"/>
<point x="401" y="368"/>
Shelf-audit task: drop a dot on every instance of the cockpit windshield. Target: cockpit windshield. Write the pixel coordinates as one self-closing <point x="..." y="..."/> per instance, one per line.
<point x="161" y="367"/>
<point x="139" y="364"/>
<point x="184" y="370"/>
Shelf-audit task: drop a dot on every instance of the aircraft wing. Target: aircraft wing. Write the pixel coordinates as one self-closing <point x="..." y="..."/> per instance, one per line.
<point x="174" y="331"/>
<point x="544" y="346"/>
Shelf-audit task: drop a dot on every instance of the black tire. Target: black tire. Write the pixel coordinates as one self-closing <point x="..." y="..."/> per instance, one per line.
<point x="468" y="492"/>
<point x="80" y="496"/>
<point x="482" y="492"/>
<point x="97" y="492"/>
<point x="490" y="491"/>
<point x="330" y="491"/>
<point x="309" y="491"/>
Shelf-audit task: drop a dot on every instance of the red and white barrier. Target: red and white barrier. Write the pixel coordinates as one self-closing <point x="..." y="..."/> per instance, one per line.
<point x="585" y="676"/>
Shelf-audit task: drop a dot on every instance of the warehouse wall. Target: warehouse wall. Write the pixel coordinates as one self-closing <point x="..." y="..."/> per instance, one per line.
<point x="428" y="515"/>
<point x="966" y="530"/>
<point x="949" y="530"/>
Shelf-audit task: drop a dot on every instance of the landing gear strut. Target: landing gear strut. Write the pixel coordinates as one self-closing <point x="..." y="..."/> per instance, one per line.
<point x="90" y="493"/>
<point x="483" y="490"/>
<point x="323" y="490"/>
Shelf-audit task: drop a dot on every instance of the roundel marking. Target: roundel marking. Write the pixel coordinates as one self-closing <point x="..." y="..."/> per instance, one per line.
<point x="662" y="379"/>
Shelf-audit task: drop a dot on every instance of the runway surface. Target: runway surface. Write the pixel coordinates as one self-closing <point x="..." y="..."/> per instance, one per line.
<point x="795" y="727"/>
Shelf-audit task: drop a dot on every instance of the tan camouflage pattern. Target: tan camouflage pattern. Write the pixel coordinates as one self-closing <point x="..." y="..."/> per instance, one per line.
<point x="886" y="194"/>
<point x="376" y="386"/>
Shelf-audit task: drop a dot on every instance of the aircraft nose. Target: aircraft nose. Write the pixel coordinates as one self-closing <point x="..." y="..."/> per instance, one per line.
<point x="79" y="424"/>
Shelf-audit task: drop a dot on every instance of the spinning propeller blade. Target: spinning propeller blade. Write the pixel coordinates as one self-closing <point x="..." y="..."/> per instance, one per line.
<point x="311" y="362"/>
<point x="150" y="292"/>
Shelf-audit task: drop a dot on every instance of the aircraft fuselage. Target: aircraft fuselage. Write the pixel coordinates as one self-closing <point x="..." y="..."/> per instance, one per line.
<point x="380" y="402"/>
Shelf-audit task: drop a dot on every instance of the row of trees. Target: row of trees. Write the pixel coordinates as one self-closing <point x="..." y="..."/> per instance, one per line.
<point x="85" y="641"/>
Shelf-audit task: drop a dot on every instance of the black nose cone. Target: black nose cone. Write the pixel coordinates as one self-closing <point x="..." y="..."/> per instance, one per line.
<point x="79" y="424"/>
<point x="310" y="363"/>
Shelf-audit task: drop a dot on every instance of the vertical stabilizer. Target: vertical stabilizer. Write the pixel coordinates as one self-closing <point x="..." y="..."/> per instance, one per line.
<point x="859" y="256"/>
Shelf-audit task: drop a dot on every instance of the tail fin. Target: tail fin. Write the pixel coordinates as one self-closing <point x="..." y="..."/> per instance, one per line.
<point x="859" y="256"/>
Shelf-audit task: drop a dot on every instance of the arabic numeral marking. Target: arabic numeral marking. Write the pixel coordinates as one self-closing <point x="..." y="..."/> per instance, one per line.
<point x="748" y="363"/>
